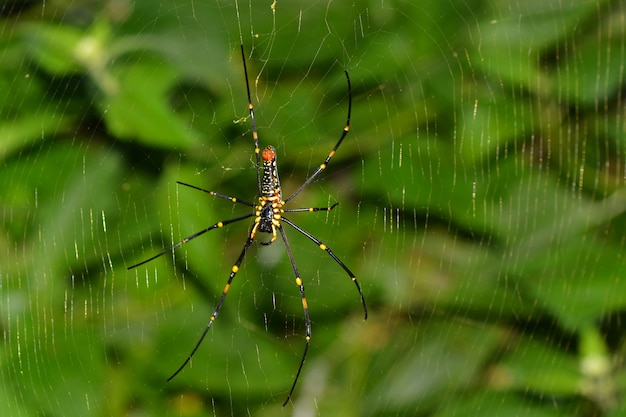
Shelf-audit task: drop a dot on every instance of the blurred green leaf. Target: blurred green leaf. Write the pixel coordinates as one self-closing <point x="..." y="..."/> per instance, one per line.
<point x="495" y="404"/>
<point x="538" y="367"/>
<point x="53" y="46"/>
<point x="139" y="109"/>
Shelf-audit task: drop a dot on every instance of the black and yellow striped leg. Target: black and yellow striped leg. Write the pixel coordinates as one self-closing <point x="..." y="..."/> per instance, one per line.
<point x="255" y="134"/>
<point x="310" y="209"/>
<point x="233" y="272"/>
<point x="324" y="164"/>
<point x="191" y="237"/>
<point x="332" y="255"/>
<point x="305" y="307"/>
<point x="218" y="195"/>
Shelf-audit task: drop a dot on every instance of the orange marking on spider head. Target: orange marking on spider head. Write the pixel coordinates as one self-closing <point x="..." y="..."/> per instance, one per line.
<point x="269" y="154"/>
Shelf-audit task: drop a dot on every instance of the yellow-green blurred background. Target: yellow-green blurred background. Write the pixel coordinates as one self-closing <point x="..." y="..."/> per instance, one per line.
<point x="481" y="193"/>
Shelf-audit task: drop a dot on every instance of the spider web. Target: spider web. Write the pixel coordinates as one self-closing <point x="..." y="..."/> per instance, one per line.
<point x="481" y="192"/>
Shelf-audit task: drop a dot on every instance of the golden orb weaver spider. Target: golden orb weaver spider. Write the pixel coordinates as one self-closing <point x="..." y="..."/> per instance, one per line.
<point x="268" y="218"/>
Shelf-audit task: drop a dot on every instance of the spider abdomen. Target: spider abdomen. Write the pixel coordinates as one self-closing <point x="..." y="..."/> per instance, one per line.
<point x="265" y="218"/>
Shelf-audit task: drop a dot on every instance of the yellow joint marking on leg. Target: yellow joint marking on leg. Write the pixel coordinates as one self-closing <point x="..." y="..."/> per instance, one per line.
<point x="298" y="281"/>
<point x="323" y="247"/>
<point x="308" y="338"/>
<point x="212" y="318"/>
<point x="347" y="128"/>
<point x="235" y="268"/>
<point x="323" y="166"/>
<point x="220" y="224"/>
<point x="353" y="279"/>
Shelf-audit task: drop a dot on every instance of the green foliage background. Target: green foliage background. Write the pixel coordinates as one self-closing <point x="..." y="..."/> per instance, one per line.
<point x="482" y="207"/>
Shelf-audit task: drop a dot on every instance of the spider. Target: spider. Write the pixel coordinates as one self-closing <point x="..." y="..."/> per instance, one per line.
<point x="268" y="218"/>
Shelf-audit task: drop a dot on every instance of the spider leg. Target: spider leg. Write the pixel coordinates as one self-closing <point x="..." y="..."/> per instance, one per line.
<point x="305" y="308"/>
<point x="218" y="195"/>
<point x="332" y="255"/>
<point x="233" y="272"/>
<point x="255" y="134"/>
<point x="191" y="237"/>
<point x="310" y="209"/>
<point x="324" y="164"/>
